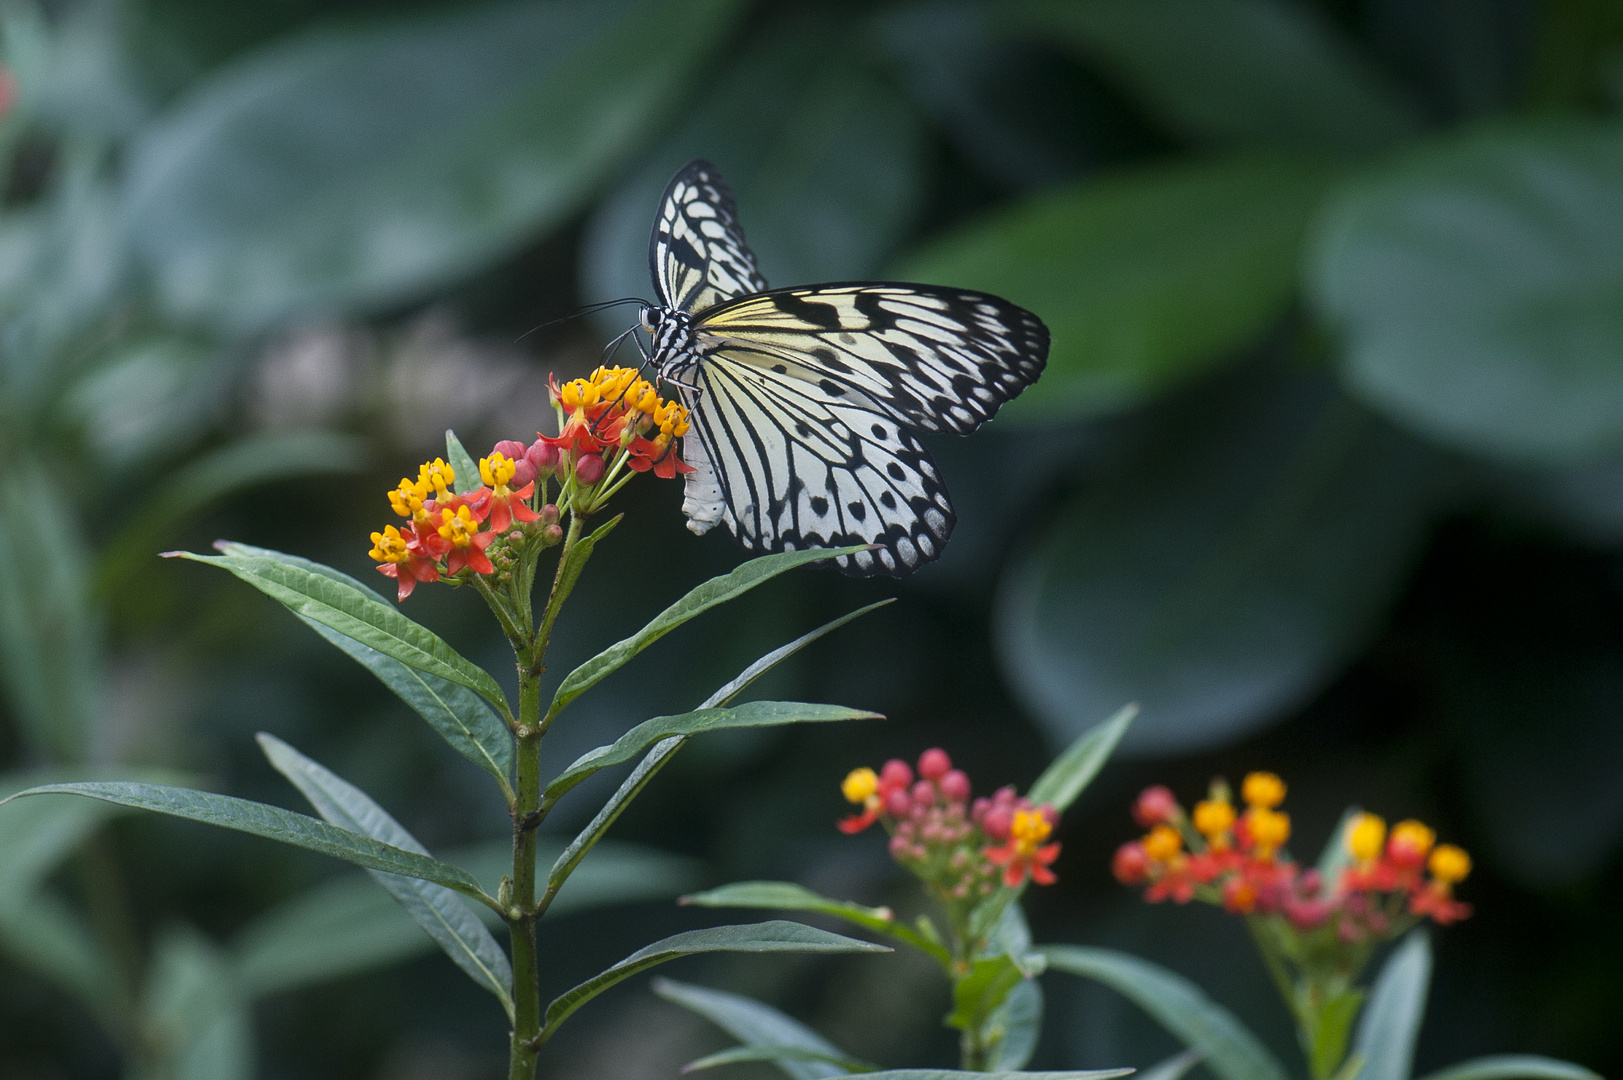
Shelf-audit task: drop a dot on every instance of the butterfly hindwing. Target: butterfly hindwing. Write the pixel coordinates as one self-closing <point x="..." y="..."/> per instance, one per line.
<point x="937" y="359"/>
<point x="800" y="468"/>
<point x="697" y="253"/>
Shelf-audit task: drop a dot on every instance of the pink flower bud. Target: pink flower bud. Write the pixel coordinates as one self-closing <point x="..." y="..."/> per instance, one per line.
<point x="896" y="773"/>
<point x="1004" y="796"/>
<point x="1131" y="864"/>
<point x="955" y="786"/>
<point x="543" y="457"/>
<point x="931" y="832"/>
<point x="1155" y="806"/>
<point x="900" y="846"/>
<point x="924" y="793"/>
<point x="589" y="469"/>
<point x="509" y="449"/>
<point x="1049" y="814"/>
<point x="934" y="763"/>
<point x="897" y="804"/>
<point x="552" y="534"/>
<point x="549" y="514"/>
<point x="997" y="821"/>
<point x="978" y="808"/>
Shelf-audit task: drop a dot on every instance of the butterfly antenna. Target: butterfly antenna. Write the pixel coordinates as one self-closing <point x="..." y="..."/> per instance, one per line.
<point x="587" y="310"/>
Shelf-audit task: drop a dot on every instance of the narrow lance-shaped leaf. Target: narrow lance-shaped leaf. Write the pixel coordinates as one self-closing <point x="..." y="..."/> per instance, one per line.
<point x="1070" y="773"/>
<point x="359" y="614"/>
<point x="462" y="464"/>
<point x="957" y="1074"/>
<point x="777" y="1055"/>
<point x="438" y="910"/>
<point x="787" y="896"/>
<point x="1173" y="1068"/>
<point x="750" y="715"/>
<point x="1513" y="1067"/>
<point x="1390" y="1025"/>
<point x="766" y="937"/>
<point x="759" y="1025"/>
<point x="272" y="823"/>
<point x="1014" y="1027"/>
<point x="718" y="590"/>
<point x="663" y="751"/>
<point x="1232" y="1051"/>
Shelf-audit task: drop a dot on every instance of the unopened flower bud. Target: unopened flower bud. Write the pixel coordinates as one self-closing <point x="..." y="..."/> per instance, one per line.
<point x="589" y="469"/>
<point x="978" y="808"/>
<point x="552" y="534"/>
<point x="543" y="458"/>
<point x="934" y="763"/>
<point x="900" y="846"/>
<point x="896" y="773"/>
<point x="955" y="786"/>
<point x="924" y="793"/>
<point x="1155" y="806"/>
<point x="1131" y="865"/>
<point x="897" y="802"/>
<point x="548" y="514"/>
<point x="995" y="824"/>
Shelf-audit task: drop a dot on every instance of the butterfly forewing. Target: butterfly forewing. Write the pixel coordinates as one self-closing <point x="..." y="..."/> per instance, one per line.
<point x="937" y="359"/>
<point x="800" y="468"/>
<point x="697" y="253"/>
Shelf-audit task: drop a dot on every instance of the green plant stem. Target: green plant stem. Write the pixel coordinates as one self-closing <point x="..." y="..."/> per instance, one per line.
<point x="1306" y="1026"/>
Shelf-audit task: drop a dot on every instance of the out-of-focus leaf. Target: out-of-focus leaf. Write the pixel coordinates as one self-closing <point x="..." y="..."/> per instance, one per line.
<point x="1336" y="857"/>
<point x="1144" y="278"/>
<point x="1478" y="285"/>
<point x="1390" y="1024"/>
<point x="195" y="1013"/>
<point x="787" y="896"/>
<point x="50" y="640"/>
<point x="270" y="822"/>
<point x="752" y="714"/>
<point x="757" y="1024"/>
<point x="147" y="399"/>
<point x="824" y="157"/>
<point x="956" y="1074"/>
<point x="37" y="834"/>
<point x="462" y="464"/>
<point x="258" y="459"/>
<point x="1014" y="1027"/>
<point x="1513" y="1067"/>
<point x="718" y="590"/>
<point x="1070" y="774"/>
<point x="339" y="602"/>
<point x="774" y="936"/>
<point x="438" y="910"/>
<point x="317" y="176"/>
<point x="1232" y="1052"/>
<point x="44" y="935"/>
<point x="978" y="994"/>
<point x="1223" y="574"/>
<point x="459" y="715"/>
<point x="1237" y="72"/>
<point x="1175" y="1067"/>
<point x="739" y="1054"/>
<point x="663" y="751"/>
<point x="1327" y="1033"/>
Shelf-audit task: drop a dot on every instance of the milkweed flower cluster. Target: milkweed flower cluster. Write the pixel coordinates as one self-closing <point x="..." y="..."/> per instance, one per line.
<point x="959" y="847"/>
<point x="452" y="535"/>
<point x="1223" y="855"/>
<point x="614" y="421"/>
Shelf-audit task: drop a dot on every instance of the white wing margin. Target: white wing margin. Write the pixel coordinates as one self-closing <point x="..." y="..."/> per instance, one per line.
<point x="798" y="467"/>
<point x="937" y="359"/>
<point x="697" y="254"/>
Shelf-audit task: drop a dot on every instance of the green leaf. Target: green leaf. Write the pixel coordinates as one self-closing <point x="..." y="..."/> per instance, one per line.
<point x="37" y="834"/>
<point x="1222" y="572"/>
<point x="955" y="1074"/>
<point x="787" y="896"/>
<point x="1477" y="285"/>
<point x="827" y="160"/>
<point x="194" y="1012"/>
<point x="775" y="936"/>
<point x="459" y="715"/>
<point x="1513" y="1067"/>
<point x="1232" y="1052"/>
<point x="1070" y="774"/>
<point x="1236" y="72"/>
<point x="750" y="715"/>
<point x="1390" y="1026"/>
<point x="1336" y="857"/>
<point x="462" y="464"/>
<point x="514" y="116"/>
<point x="44" y="935"/>
<point x="438" y="910"/>
<point x="1175" y="1067"/>
<point x="257" y="459"/>
<point x="982" y="990"/>
<point x="1013" y="1028"/>
<point x="662" y="752"/>
<point x="757" y="1024"/>
<point x="742" y="1054"/>
<point x="1145" y="278"/>
<point x="718" y="590"/>
<point x="272" y="823"/>
<point x="1330" y="1029"/>
<point x="339" y="602"/>
<point x="50" y="640"/>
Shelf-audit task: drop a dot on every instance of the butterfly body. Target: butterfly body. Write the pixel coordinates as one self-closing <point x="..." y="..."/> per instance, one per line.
<point x="805" y="400"/>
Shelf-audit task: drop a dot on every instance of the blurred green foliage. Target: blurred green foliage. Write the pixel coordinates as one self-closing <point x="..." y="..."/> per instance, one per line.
<point x="1327" y="471"/>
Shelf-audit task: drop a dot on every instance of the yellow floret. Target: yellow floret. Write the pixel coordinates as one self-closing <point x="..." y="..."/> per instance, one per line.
<point x="1263" y="789"/>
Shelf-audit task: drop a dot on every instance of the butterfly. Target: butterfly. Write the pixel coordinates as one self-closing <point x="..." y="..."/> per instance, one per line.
<point x="804" y="402"/>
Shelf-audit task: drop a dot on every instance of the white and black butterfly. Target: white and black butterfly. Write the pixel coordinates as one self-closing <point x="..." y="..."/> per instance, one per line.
<point x="803" y="401"/>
